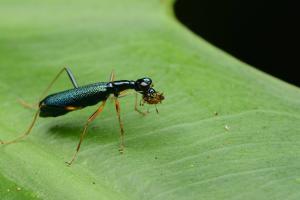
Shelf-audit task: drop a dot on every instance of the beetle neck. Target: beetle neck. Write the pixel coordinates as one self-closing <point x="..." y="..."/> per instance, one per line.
<point x="122" y="85"/>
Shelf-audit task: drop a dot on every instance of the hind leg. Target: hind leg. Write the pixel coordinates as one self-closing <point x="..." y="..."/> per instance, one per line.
<point x="71" y="77"/>
<point x="28" y="131"/>
<point x="91" y="119"/>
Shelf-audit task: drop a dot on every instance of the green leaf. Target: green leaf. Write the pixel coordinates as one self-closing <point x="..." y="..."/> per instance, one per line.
<point x="224" y="131"/>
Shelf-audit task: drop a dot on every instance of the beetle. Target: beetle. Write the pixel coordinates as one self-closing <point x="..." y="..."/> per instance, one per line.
<point x="79" y="97"/>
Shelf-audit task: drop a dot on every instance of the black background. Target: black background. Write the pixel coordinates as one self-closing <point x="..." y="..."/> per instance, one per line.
<point x="262" y="33"/>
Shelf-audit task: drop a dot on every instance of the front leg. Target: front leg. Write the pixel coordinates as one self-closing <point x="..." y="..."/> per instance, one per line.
<point x="136" y="106"/>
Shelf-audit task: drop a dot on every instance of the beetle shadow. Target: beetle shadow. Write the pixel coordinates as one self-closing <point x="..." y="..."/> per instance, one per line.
<point x="65" y="130"/>
<point x="73" y="131"/>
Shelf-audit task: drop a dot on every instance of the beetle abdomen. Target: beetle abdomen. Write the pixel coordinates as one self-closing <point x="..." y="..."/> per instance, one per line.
<point x="63" y="102"/>
<point x="52" y="111"/>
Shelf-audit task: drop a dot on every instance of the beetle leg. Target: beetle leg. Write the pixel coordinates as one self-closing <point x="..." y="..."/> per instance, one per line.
<point x="124" y="93"/>
<point x="26" y="133"/>
<point x="112" y="76"/>
<point x="71" y="76"/>
<point x="91" y="118"/>
<point x="34" y="106"/>
<point x="117" y="105"/>
<point x="136" y="106"/>
<point x="27" y="105"/>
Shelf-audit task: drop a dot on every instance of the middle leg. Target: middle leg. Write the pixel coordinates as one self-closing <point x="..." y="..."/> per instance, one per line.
<point x="91" y="118"/>
<point x="117" y="105"/>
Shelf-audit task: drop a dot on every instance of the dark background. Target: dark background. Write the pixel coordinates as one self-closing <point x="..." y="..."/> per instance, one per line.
<point x="262" y="33"/>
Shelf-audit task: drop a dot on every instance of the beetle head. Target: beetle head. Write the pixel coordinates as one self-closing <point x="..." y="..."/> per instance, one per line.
<point x="142" y="85"/>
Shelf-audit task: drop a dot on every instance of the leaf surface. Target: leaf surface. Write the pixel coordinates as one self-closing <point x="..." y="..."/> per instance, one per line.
<point x="224" y="131"/>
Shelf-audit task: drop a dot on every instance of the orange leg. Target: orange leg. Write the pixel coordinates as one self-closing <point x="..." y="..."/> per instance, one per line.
<point x="91" y="118"/>
<point x="27" y="105"/>
<point x="26" y="133"/>
<point x="112" y="76"/>
<point x="136" y="106"/>
<point x="38" y="111"/>
<point x="117" y="104"/>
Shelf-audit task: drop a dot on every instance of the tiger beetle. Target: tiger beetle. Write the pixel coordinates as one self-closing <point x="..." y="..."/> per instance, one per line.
<point x="79" y="97"/>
